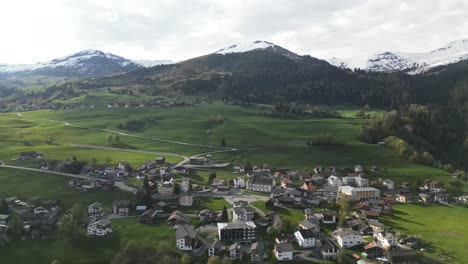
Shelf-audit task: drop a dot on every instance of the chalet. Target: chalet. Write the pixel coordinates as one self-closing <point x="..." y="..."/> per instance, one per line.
<point x="283" y="252"/>
<point x="236" y="252"/>
<point x="149" y="216"/>
<point x="95" y="208"/>
<point x="258" y="252"/>
<point x="373" y="251"/>
<point x="284" y="238"/>
<point x="371" y="215"/>
<point x="306" y="238"/>
<point x="178" y="218"/>
<point x="358" y="169"/>
<point x="186" y="237"/>
<point x="310" y="186"/>
<point x="260" y="183"/>
<point x="348" y="238"/>
<point x="100" y="228"/>
<point x="237" y="231"/>
<point x="121" y="207"/>
<point x="376" y="226"/>
<point x="328" y="249"/>
<point x="330" y="192"/>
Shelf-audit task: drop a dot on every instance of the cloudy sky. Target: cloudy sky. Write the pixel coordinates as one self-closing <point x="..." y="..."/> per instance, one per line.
<point x="35" y="30"/>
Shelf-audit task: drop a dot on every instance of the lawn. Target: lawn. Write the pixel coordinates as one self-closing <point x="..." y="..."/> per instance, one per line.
<point x="443" y="226"/>
<point x="211" y="203"/>
<point x="295" y="216"/>
<point x="130" y="228"/>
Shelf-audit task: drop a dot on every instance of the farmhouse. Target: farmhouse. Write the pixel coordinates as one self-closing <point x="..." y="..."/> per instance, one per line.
<point x="328" y="249"/>
<point x="386" y="239"/>
<point x="166" y="188"/>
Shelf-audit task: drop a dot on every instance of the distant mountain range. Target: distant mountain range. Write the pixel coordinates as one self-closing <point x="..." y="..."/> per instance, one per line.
<point x="95" y="63"/>
<point x="85" y="63"/>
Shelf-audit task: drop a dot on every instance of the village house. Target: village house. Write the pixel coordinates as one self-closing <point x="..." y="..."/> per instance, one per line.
<point x="328" y="216"/>
<point x="244" y="213"/>
<point x="310" y="186"/>
<point x="178" y="218"/>
<point x="386" y="239"/>
<point x="40" y="210"/>
<point x="403" y="198"/>
<point x="260" y="183"/>
<point x="373" y="250"/>
<point x="257" y="252"/>
<point x="4" y="220"/>
<point x="208" y="216"/>
<point x="441" y="198"/>
<point x="424" y="198"/>
<point x="121" y="207"/>
<point x="215" y="248"/>
<point x="95" y="208"/>
<point x="185" y="185"/>
<point x="283" y="252"/>
<point x="348" y="238"/>
<point x="398" y="255"/>
<point x="237" y="231"/>
<point x="239" y="168"/>
<point x="236" y="252"/>
<point x="463" y="199"/>
<point x="186" y="237"/>
<point x="355" y="181"/>
<point x="217" y="182"/>
<point x="100" y="228"/>
<point x="334" y="181"/>
<point x="309" y="225"/>
<point x="328" y="249"/>
<point x="186" y="200"/>
<point x="305" y="238"/>
<point x="389" y="184"/>
<point x="166" y="188"/>
<point x="239" y="183"/>
<point x="149" y="216"/>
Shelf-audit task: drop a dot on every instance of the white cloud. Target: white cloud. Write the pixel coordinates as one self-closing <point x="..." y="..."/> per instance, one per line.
<point x="175" y="29"/>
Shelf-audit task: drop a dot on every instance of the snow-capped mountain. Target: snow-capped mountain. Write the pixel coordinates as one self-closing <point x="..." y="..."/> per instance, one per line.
<point x="85" y="63"/>
<point x="338" y="62"/>
<point x="415" y="63"/>
<point x="257" y="45"/>
<point x="152" y="63"/>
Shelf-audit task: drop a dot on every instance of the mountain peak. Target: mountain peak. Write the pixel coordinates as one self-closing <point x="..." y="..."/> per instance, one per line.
<point x="247" y="46"/>
<point x="415" y="63"/>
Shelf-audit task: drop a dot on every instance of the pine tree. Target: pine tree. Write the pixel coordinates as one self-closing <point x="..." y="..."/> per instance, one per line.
<point x="4" y="209"/>
<point x="224" y="215"/>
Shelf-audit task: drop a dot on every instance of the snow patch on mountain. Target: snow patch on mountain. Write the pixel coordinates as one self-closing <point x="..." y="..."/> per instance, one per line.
<point x="152" y="63"/>
<point x="338" y="62"/>
<point x="248" y="46"/>
<point x="415" y="63"/>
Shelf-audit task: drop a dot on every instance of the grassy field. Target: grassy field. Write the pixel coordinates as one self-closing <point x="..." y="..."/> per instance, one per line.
<point x="295" y="216"/>
<point x="26" y="184"/>
<point x="445" y="227"/>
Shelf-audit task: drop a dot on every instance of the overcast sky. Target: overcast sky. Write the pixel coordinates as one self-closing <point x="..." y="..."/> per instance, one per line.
<point x="33" y="30"/>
